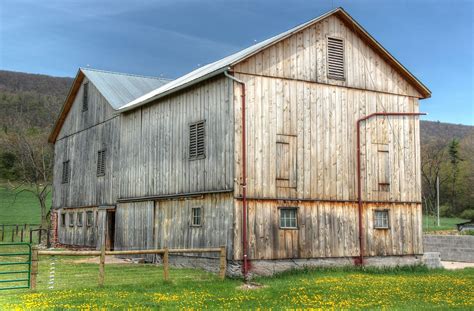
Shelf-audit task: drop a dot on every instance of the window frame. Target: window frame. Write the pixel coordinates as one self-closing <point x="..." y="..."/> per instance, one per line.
<point x="101" y="158"/>
<point x="66" y="173"/>
<point x="79" y="219"/>
<point x="197" y="156"/>
<point x="85" y="97"/>
<point x="62" y="220"/>
<point x="200" y="208"/>
<point x="89" y="221"/>
<point x="71" y="219"/>
<point x="288" y="208"/>
<point x="376" y="225"/>
<point x="329" y="76"/>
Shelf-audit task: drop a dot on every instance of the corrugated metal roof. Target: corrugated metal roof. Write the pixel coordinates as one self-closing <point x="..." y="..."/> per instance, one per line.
<point x="121" y="88"/>
<point x="224" y="64"/>
<point x="214" y="68"/>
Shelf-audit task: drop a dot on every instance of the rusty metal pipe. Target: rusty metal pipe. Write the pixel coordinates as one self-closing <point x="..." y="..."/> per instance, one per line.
<point x="360" y="259"/>
<point x="244" y="178"/>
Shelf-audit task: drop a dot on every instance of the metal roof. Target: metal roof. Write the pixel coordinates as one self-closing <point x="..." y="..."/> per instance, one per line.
<point x="224" y="64"/>
<point x="121" y="88"/>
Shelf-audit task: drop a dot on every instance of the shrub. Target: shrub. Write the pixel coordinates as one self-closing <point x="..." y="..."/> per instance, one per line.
<point x="445" y="211"/>
<point x="468" y="214"/>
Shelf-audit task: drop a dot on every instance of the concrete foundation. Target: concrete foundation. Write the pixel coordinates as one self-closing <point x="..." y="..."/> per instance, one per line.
<point x="451" y="247"/>
<point x="271" y="267"/>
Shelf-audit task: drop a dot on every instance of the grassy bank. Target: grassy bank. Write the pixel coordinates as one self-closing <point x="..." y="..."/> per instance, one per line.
<point x="139" y="286"/>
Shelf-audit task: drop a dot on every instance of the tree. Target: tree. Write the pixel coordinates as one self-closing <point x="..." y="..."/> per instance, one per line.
<point x="455" y="160"/>
<point x="33" y="164"/>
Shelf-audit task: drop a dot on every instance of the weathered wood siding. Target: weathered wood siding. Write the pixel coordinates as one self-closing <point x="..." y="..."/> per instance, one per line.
<point x="134" y="224"/>
<point x="321" y="122"/>
<point x="154" y="152"/>
<point x="78" y="235"/>
<point x="173" y="222"/>
<point x="82" y="136"/>
<point x="327" y="229"/>
<point x="167" y="223"/>
<point x="303" y="57"/>
<point x="98" y="111"/>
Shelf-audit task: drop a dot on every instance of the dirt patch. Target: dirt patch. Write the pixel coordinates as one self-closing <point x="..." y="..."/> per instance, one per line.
<point x="108" y="260"/>
<point x="453" y="265"/>
<point x="250" y="286"/>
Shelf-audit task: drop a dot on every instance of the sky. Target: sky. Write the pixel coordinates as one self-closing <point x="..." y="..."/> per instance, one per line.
<point x="432" y="38"/>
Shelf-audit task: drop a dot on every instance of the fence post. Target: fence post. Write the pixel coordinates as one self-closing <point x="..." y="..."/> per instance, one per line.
<point x="102" y="265"/>
<point x="3" y="232"/>
<point x="166" y="265"/>
<point x="223" y="263"/>
<point x="34" y="267"/>
<point x="13" y="234"/>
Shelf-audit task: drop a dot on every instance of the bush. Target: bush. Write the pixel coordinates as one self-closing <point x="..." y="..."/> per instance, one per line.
<point x="468" y="214"/>
<point x="445" y="211"/>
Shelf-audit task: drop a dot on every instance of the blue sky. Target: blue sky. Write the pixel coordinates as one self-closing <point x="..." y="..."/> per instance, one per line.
<point x="432" y="38"/>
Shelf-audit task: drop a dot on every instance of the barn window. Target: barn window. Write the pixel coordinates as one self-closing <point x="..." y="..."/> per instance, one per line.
<point x="89" y="218"/>
<point x="335" y="61"/>
<point x="196" y="213"/>
<point x="85" y="97"/>
<point x="197" y="140"/>
<point x="71" y="219"/>
<point x="383" y="168"/>
<point x="79" y="217"/>
<point x="288" y="219"/>
<point x="63" y="219"/>
<point x="101" y="163"/>
<point x="381" y="219"/>
<point x="66" y="172"/>
<point x="286" y="161"/>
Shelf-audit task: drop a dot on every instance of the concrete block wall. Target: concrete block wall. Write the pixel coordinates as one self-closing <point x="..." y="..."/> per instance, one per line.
<point x="451" y="247"/>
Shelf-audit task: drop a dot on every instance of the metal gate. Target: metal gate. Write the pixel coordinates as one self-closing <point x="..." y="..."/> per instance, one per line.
<point x="15" y="265"/>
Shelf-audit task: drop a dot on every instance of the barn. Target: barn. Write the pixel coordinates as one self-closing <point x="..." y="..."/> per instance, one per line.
<point x="302" y="149"/>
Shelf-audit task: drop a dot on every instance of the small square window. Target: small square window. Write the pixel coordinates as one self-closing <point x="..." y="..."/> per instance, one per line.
<point x="63" y="219"/>
<point x="90" y="219"/>
<point x="381" y="219"/>
<point x="196" y="214"/>
<point x="288" y="219"/>
<point x="79" y="217"/>
<point x="71" y="219"/>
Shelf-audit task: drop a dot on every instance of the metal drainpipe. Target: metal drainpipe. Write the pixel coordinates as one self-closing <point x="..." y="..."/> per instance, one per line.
<point x="360" y="259"/>
<point x="244" y="176"/>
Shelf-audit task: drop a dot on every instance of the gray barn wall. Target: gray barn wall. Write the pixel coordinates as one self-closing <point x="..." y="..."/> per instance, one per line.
<point x="78" y="235"/>
<point x="154" y="156"/>
<point x="82" y="136"/>
<point x="167" y="223"/>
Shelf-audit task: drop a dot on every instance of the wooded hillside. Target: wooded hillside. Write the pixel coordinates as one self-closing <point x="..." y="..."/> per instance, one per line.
<point x="31" y="102"/>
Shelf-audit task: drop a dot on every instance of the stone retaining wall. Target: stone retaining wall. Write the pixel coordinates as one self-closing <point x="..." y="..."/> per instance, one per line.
<point x="451" y="247"/>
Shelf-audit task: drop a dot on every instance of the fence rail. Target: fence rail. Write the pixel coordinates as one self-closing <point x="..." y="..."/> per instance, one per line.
<point x="102" y="253"/>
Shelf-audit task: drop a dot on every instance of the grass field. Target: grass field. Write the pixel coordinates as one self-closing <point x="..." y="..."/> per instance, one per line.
<point x="139" y="286"/>
<point x="22" y="210"/>
<point x="429" y="223"/>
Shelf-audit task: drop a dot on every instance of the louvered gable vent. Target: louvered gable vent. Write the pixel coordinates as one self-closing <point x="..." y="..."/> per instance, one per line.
<point x="197" y="143"/>
<point x="65" y="175"/>
<point x="101" y="163"/>
<point x="335" y="58"/>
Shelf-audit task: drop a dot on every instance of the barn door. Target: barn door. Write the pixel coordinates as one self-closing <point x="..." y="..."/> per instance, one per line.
<point x="110" y="230"/>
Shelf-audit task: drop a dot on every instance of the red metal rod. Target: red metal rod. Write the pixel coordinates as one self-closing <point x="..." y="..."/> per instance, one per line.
<point x="360" y="260"/>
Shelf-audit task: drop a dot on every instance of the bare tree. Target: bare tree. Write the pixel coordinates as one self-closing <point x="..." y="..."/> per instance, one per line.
<point x="34" y="161"/>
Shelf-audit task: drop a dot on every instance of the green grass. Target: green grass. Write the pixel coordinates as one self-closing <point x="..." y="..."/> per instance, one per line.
<point x="24" y="210"/>
<point x="430" y="223"/>
<point x="140" y="286"/>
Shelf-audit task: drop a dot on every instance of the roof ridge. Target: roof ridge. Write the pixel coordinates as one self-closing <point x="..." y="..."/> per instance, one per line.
<point x="125" y="74"/>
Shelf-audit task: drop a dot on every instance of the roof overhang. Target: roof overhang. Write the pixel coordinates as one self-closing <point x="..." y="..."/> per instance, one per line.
<point x="76" y="85"/>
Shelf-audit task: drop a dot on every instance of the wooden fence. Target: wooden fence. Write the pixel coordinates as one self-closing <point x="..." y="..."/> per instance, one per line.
<point x="31" y="233"/>
<point x="102" y="253"/>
